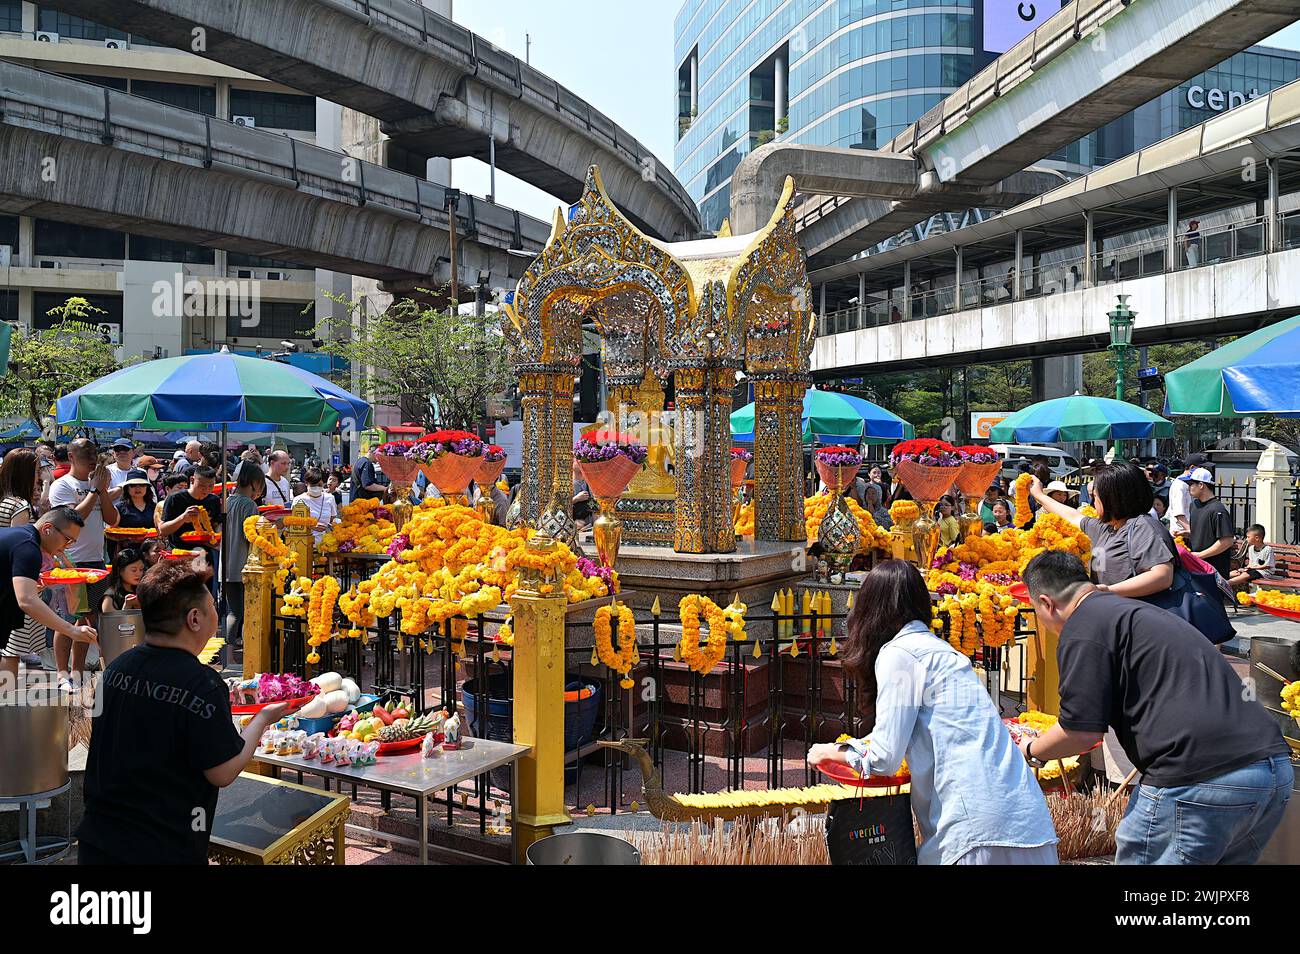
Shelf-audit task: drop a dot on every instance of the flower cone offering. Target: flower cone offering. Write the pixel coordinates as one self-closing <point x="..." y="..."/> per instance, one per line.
<point x="979" y="466"/>
<point x="608" y="461"/>
<point x="449" y="459"/>
<point x="490" y="467"/>
<point x="927" y="468"/>
<point x="401" y="470"/>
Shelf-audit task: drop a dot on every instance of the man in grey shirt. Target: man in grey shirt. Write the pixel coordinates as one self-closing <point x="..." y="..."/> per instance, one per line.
<point x="240" y="505"/>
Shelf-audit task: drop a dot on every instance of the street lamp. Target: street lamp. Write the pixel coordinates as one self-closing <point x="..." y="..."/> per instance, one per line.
<point x="1121" y="340"/>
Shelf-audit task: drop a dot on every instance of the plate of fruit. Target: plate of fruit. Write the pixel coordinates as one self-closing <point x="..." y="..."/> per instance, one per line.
<point x="61" y="576"/>
<point x="395" y="726"/>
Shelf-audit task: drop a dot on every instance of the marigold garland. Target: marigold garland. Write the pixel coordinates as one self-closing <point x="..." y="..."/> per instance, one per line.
<point x="817" y="506"/>
<point x="722" y="623"/>
<point x="627" y="655"/>
<point x="320" y="610"/>
<point x="904" y="512"/>
<point x="1024" y="513"/>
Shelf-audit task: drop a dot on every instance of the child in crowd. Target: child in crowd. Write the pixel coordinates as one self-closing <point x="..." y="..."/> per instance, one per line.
<point x="152" y="551"/>
<point x="1260" y="563"/>
<point x="128" y="569"/>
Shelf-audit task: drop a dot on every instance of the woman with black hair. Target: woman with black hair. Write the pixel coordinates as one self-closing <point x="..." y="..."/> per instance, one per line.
<point x="1132" y="553"/>
<point x="973" y="795"/>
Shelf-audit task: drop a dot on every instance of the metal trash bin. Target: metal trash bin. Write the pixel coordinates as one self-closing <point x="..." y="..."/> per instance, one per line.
<point x="33" y="742"/>
<point x="582" y="848"/>
<point x="118" y="632"/>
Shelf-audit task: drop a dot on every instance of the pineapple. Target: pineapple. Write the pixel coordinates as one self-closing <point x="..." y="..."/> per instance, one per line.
<point x="404" y="729"/>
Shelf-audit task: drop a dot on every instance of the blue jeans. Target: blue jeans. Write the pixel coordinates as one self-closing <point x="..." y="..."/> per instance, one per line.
<point x="1226" y="820"/>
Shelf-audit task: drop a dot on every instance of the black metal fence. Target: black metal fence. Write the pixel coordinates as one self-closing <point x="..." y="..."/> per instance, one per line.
<point x="746" y="724"/>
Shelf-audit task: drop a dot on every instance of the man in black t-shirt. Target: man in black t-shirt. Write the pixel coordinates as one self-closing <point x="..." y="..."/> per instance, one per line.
<point x="181" y="509"/>
<point x="1216" y="772"/>
<point x="163" y="743"/>
<point x="21" y="551"/>
<point x="1212" y="535"/>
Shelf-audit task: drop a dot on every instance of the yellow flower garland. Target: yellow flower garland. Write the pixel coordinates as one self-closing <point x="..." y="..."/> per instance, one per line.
<point x="722" y="623"/>
<point x="1024" y="512"/>
<point x="320" y="612"/>
<point x="627" y="655"/>
<point x="904" y="511"/>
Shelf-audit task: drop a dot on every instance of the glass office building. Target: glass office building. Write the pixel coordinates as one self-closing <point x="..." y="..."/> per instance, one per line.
<point x="855" y="73"/>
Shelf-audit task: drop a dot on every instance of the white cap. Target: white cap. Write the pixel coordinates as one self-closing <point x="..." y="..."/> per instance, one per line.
<point x="1200" y="475"/>
<point x="1055" y="486"/>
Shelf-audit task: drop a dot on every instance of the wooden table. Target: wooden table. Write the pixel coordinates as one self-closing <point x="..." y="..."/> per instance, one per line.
<point x="263" y="821"/>
<point x="414" y="776"/>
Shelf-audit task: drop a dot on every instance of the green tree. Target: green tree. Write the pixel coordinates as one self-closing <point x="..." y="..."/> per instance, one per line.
<point x="50" y="362"/>
<point x="412" y="353"/>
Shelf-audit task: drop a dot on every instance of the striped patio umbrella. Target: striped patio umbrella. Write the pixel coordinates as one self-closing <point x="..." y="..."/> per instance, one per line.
<point x="833" y="418"/>
<point x="215" y="390"/>
<point x="1079" y="418"/>
<point x="1258" y="373"/>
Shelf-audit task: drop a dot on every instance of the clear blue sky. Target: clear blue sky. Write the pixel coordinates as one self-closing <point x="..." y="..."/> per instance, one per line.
<point x="616" y="54"/>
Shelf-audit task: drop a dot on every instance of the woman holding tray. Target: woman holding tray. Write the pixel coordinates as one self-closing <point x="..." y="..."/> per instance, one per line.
<point x="974" y="797"/>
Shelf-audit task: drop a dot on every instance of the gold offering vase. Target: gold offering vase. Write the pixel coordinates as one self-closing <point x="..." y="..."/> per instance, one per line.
<point x="401" y="506"/>
<point x="607" y="531"/>
<point x="925" y="535"/>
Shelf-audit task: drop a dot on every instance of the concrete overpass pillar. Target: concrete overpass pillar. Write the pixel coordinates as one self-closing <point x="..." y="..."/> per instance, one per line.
<point x="1171" y="232"/>
<point x="1089" y="258"/>
<point x="1272" y="230"/>
<point x="1018" y="276"/>
<point x="1057" y="376"/>
<point x="29" y="19"/>
<point x="862" y="298"/>
<point x="26" y="250"/>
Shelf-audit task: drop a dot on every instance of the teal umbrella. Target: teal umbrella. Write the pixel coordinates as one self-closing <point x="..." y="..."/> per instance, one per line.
<point x="833" y="418"/>
<point x="1259" y="373"/>
<point x="1079" y="418"/>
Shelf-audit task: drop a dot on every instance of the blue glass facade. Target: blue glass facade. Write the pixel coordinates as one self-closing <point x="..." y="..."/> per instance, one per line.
<point x="858" y="72"/>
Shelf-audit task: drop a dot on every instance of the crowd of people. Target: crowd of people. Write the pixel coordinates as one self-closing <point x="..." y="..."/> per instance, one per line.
<point x="1139" y="674"/>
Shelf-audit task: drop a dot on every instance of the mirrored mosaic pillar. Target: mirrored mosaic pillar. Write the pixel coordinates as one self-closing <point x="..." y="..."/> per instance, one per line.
<point x="702" y="523"/>
<point x="538" y="396"/>
<point x="778" y="457"/>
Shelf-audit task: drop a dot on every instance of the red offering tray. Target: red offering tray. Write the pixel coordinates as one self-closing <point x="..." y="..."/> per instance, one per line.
<point x="1019" y="591"/>
<point x="254" y="707"/>
<point x="130" y="533"/>
<point x="272" y="511"/>
<point x="198" y="536"/>
<point x="182" y="555"/>
<point x="397" y="748"/>
<point x="1278" y="611"/>
<point x="841" y="773"/>
<point x="86" y="577"/>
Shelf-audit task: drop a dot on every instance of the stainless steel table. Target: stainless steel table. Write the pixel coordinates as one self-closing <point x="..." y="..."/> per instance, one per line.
<point x="415" y="776"/>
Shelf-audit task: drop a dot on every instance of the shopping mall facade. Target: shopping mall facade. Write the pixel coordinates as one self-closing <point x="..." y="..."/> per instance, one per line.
<point x="855" y="73"/>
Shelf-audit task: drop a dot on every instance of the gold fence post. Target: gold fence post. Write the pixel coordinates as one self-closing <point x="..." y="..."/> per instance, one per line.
<point x="302" y="541"/>
<point x="538" y="608"/>
<point x="259" y="601"/>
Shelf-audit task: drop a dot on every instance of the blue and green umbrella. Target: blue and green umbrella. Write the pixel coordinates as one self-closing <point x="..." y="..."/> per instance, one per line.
<point x="833" y="418"/>
<point x="1079" y="418"/>
<point x="213" y="391"/>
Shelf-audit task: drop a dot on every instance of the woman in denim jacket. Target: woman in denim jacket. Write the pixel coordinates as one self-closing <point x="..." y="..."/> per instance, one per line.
<point x="974" y="798"/>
